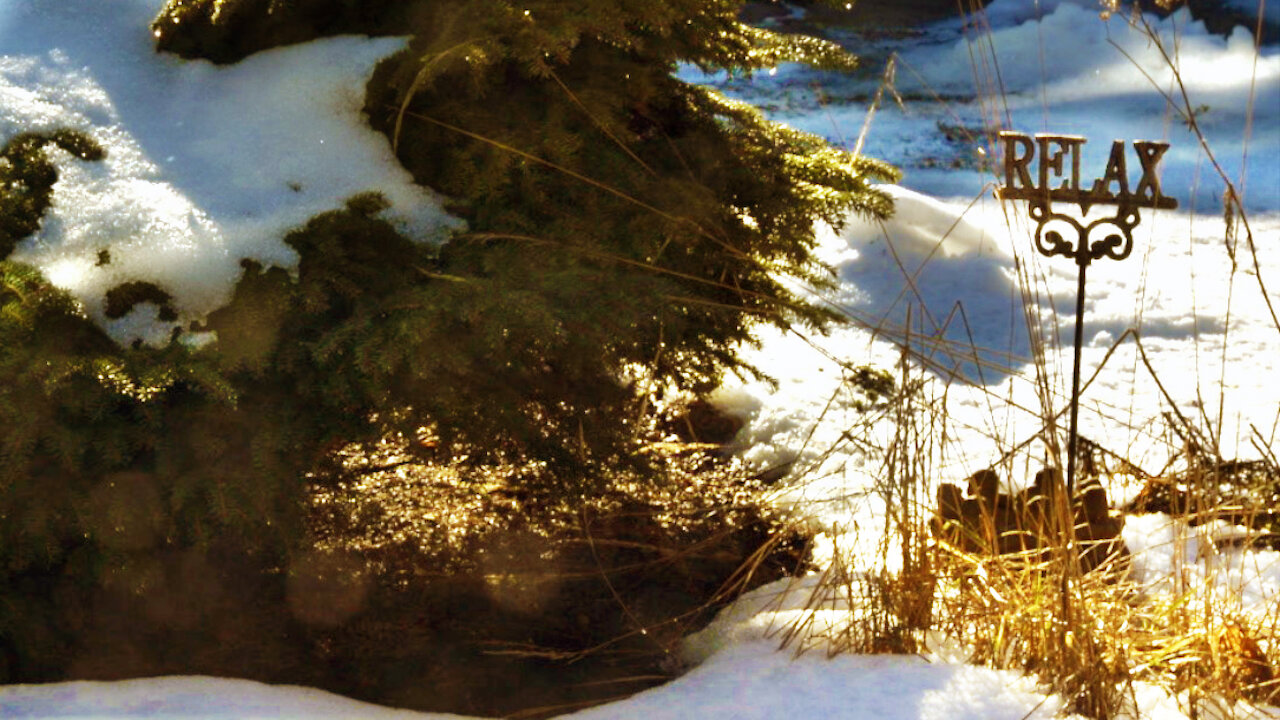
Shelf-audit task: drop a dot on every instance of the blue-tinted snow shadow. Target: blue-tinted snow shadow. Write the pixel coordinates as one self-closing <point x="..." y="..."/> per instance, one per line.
<point x="945" y="276"/>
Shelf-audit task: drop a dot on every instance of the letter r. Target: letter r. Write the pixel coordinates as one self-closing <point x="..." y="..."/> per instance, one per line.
<point x="1016" y="164"/>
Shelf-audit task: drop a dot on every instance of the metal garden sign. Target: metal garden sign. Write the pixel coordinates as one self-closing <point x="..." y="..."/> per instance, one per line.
<point x="1056" y="178"/>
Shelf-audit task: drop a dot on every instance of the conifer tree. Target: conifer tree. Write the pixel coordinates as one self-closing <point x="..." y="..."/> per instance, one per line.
<point x="619" y="218"/>
<point x="621" y="223"/>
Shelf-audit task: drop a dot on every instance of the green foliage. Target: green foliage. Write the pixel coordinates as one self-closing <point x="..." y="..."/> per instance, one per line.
<point x="622" y="224"/>
<point x="75" y="408"/>
<point x="621" y="221"/>
<point x="539" y="35"/>
<point x="630" y="218"/>
<point x="137" y="484"/>
<point x="27" y="177"/>
<point x="122" y="298"/>
<point x="229" y="30"/>
<point x="370" y="327"/>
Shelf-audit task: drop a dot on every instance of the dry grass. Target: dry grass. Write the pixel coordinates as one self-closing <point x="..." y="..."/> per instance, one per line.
<point x="1090" y="634"/>
<point x="1093" y="635"/>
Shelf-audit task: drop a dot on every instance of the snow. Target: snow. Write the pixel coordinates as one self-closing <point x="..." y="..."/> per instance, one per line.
<point x="752" y="680"/>
<point x="1053" y="66"/>
<point x="207" y="165"/>
<point x="1178" y="290"/>
<point x="749" y="680"/>
<point x="951" y="257"/>
<point x="191" y="698"/>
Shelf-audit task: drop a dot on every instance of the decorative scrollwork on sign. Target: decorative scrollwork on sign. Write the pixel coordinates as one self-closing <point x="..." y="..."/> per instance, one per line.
<point x="1060" y="234"/>
<point x="1115" y="246"/>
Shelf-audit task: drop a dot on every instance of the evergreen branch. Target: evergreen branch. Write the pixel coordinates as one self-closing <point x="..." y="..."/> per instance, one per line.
<point x="583" y="178"/>
<point x="600" y="254"/>
<point x="441" y="276"/>
<point x="688" y="300"/>
<point x="603" y="128"/>
<point x="419" y="80"/>
<point x="770" y="49"/>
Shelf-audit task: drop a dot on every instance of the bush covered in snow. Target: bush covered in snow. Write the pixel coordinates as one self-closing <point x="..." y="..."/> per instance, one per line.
<point x="624" y="230"/>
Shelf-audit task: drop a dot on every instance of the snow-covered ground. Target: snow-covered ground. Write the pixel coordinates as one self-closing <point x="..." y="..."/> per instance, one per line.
<point x="1059" y="69"/>
<point x="207" y="165"/>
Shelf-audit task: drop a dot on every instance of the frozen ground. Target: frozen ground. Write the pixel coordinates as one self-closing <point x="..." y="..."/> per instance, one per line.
<point x="205" y="162"/>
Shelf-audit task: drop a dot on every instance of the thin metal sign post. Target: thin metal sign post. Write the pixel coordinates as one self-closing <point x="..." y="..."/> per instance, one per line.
<point x="1057" y="178"/>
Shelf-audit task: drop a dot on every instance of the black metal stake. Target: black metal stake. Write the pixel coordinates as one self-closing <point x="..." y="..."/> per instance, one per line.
<point x="1116" y="246"/>
<point x="1073" y="437"/>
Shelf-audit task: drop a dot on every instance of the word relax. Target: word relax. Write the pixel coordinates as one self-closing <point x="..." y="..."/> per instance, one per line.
<point x="1055" y="151"/>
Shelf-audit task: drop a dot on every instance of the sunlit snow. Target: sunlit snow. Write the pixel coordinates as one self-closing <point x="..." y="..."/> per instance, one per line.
<point x="207" y="165"/>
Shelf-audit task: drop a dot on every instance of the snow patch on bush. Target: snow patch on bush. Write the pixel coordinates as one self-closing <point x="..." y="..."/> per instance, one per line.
<point x="206" y="165"/>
